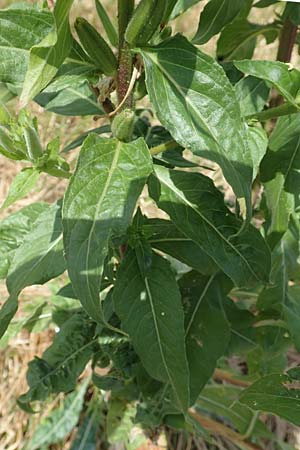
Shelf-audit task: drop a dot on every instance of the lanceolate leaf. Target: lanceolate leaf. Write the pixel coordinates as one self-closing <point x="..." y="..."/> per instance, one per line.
<point x="198" y="211"/>
<point x="86" y="437"/>
<point x="23" y="183"/>
<point x="280" y="75"/>
<point x="60" y="422"/>
<point x="98" y="205"/>
<point x="196" y="102"/>
<point x="204" y="346"/>
<point x="38" y="260"/>
<point x="238" y="39"/>
<point x="20" y="29"/>
<point x="278" y="394"/>
<point x="62" y="363"/>
<point x="181" y="6"/>
<point x="216" y="14"/>
<point x="151" y="312"/>
<point x="47" y="56"/>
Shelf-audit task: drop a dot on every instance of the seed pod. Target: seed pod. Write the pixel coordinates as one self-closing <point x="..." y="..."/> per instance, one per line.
<point x="122" y="125"/>
<point x="145" y="21"/>
<point x="96" y="47"/>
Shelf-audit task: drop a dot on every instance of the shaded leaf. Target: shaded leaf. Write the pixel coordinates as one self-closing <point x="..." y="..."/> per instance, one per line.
<point x="86" y="436"/>
<point x="202" y="295"/>
<point x="150" y="311"/>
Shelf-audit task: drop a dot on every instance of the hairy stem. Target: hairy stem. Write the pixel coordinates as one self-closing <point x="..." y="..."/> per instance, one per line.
<point x="273" y="113"/>
<point x="169" y="145"/>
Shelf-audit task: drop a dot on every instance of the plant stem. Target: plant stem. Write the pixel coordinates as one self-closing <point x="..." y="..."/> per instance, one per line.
<point x="125" y="8"/>
<point x="272" y="113"/>
<point x="286" y="41"/>
<point x="222" y="375"/>
<point x="170" y="145"/>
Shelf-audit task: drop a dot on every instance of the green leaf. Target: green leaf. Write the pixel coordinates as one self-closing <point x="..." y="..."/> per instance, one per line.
<point x="38" y="260"/>
<point x="164" y="236"/>
<point x="196" y="103"/>
<point x="120" y="421"/>
<point x="104" y="129"/>
<point x="204" y="347"/>
<point x="107" y="24"/>
<point x="197" y="209"/>
<point x="258" y="143"/>
<point x="13" y="230"/>
<point x="98" y="205"/>
<point x="151" y="312"/>
<point x="62" y="362"/>
<point x="238" y="39"/>
<point x="86" y="436"/>
<point x="252" y="94"/>
<point x="280" y="174"/>
<point x="278" y="74"/>
<point x="277" y="394"/>
<point x="59" y="422"/>
<point x="216" y="14"/>
<point x="20" y="29"/>
<point x="22" y="184"/>
<point x="48" y="55"/>
<point x="223" y="401"/>
<point x="181" y="6"/>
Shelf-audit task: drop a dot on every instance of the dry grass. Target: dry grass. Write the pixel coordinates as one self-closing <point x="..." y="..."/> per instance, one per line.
<point x="16" y="426"/>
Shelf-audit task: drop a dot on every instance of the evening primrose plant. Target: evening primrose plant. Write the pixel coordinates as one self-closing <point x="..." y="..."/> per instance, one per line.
<point x="158" y="301"/>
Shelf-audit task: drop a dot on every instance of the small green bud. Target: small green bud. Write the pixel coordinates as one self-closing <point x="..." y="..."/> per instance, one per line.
<point x="122" y="125"/>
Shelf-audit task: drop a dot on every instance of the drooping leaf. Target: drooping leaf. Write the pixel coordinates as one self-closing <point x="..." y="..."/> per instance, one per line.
<point x="20" y="29"/>
<point x="62" y="362"/>
<point x="59" y="422"/>
<point x="37" y="260"/>
<point x="22" y="184"/>
<point x="252" y="94"/>
<point x="197" y="209"/>
<point x="278" y="74"/>
<point x="216" y="14"/>
<point x="13" y="230"/>
<point x="204" y="348"/>
<point x="277" y="394"/>
<point x="238" y="39"/>
<point x="196" y="103"/>
<point x="48" y="55"/>
<point x="98" y="205"/>
<point x="280" y="174"/>
<point x="151" y="312"/>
